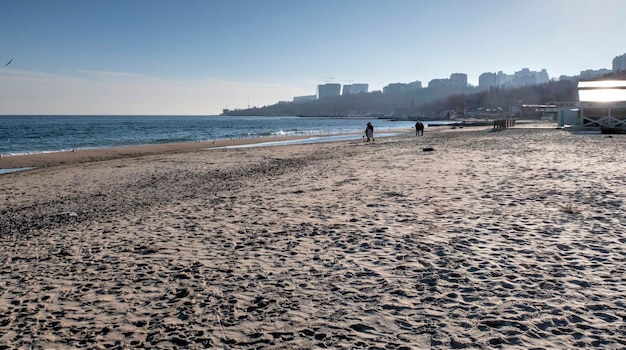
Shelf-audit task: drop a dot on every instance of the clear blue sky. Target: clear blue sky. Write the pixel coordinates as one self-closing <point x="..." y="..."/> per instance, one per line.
<point x="199" y="56"/>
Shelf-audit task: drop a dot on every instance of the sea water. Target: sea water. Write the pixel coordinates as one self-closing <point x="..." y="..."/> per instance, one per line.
<point x="41" y="134"/>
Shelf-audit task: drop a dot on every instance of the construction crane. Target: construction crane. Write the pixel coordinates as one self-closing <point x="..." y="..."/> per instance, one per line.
<point x="328" y="80"/>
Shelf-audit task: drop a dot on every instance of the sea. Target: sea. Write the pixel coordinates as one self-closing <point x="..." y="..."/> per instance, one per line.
<point x="21" y="135"/>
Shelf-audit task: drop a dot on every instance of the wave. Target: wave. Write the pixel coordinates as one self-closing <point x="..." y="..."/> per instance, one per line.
<point x="9" y="154"/>
<point x="20" y="135"/>
<point x="312" y="132"/>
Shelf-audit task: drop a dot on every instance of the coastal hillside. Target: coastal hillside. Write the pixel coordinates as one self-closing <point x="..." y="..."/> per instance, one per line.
<point x="421" y="103"/>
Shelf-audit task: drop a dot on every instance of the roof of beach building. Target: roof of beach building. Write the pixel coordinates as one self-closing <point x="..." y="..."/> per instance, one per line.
<point x="605" y="91"/>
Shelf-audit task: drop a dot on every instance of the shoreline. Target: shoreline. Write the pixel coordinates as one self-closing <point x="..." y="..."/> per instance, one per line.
<point x="9" y="163"/>
<point x="48" y="159"/>
<point x="43" y="160"/>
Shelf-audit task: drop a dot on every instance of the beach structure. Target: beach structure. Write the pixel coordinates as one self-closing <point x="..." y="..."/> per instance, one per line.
<point x="546" y="112"/>
<point x="602" y="104"/>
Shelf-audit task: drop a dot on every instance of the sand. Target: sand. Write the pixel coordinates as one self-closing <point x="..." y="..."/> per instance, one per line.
<point x="509" y="239"/>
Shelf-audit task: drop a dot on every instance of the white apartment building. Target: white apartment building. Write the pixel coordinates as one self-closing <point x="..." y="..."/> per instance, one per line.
<point x="619" y="63"/>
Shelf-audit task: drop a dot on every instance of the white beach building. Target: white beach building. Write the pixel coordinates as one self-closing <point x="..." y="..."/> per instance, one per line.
<point x="602" y="104"/>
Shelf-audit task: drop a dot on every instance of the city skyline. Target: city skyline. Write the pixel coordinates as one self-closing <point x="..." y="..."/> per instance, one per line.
<point x="198" y="57"/>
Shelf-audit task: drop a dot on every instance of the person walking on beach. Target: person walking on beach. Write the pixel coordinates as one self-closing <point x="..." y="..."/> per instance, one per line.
<point x="419" y="128"/>
<point x="369" y="131"/>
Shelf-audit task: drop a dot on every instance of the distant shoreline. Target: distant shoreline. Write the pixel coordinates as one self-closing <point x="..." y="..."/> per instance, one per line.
<point x="41" y="134"/>
<point x="49" y="159"/>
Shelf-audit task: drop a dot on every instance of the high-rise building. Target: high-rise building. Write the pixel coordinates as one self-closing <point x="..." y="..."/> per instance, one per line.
<point x="353" y="89"/>
<point x="487" y="80"/>
<point x="524" y="77"/>
<point x="402" y="87"/>
<point x="394" y="88"/>
<point x="359" y="88"/>
<point x="619" y="63"/>
<point x="328" y="90"/>
<point x="458" y="80"/>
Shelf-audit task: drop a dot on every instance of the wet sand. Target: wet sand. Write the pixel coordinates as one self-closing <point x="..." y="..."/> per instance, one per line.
<point x="513" y="238"/>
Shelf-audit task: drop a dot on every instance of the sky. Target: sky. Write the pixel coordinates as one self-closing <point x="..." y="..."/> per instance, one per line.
<point x="196" y="57"/>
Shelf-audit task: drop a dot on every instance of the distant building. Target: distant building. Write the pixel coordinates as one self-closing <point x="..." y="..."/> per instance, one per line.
<point x="394" y="88"/>
<point x="328" y="90"/>
<point x="590" y="74"/>
<point x="456" y="80"/>
<point x="359" y="88"/>
<point x="435" y="83"/>
<point x="307" y="98"/>
<point x="619" y="63"/>
<point x="569" y="77"/>
<point x="503" y="79"/>
<point x="402" y="87"/>
<point x="353" y="89"/>
<point x="487" y="80"/>
<point x="415" y="85"/>
<point x="524" y="77"/>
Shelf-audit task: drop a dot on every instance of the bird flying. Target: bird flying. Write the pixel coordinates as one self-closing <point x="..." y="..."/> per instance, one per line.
<point x="9" y="62"/>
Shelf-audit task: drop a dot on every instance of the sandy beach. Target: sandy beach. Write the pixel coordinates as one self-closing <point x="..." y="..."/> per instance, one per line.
<point x="512" y="238"/>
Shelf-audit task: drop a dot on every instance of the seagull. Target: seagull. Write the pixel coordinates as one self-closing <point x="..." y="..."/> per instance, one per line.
<point x="9" y="62"/>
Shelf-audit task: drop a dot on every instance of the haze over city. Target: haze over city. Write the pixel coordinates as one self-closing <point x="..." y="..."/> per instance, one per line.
<point x="198" y="57"/>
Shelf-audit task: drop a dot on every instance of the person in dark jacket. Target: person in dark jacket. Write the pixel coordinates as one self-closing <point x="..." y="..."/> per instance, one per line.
<point x="419" y="128"/>
<point x="369" y="131"/>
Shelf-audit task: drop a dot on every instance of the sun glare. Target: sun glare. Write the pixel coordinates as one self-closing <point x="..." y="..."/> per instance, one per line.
<point x="602" y="91"/>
